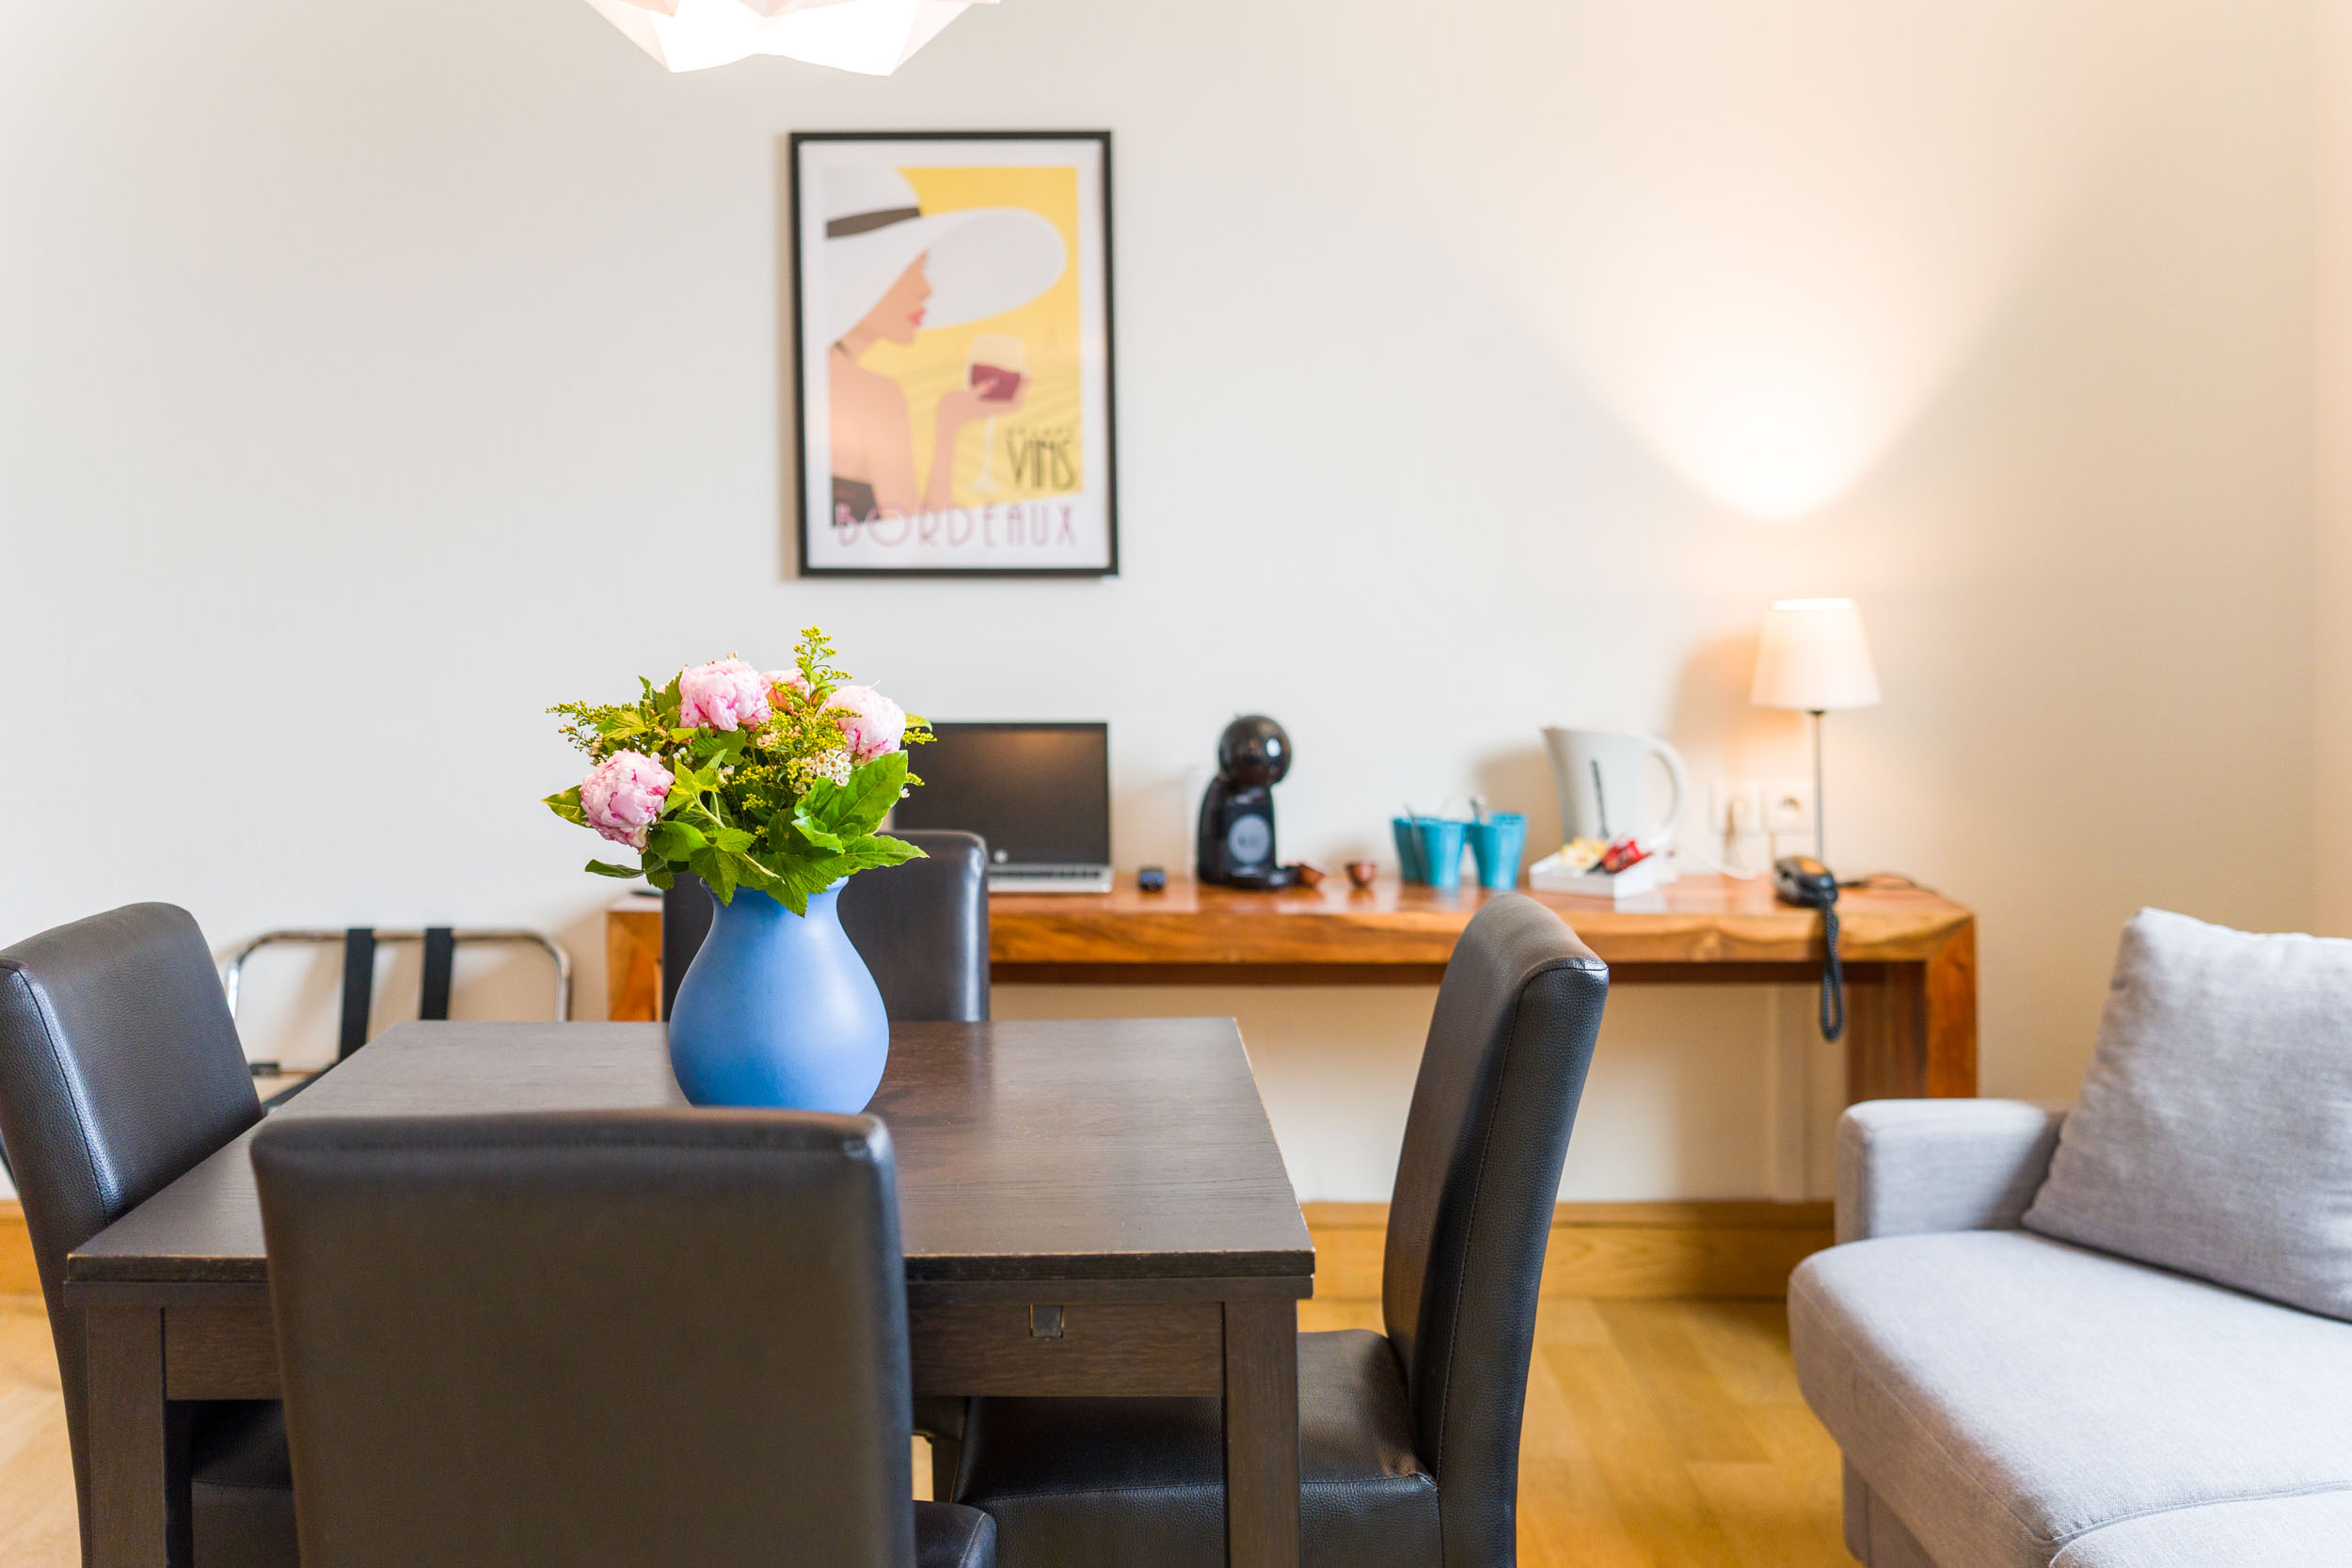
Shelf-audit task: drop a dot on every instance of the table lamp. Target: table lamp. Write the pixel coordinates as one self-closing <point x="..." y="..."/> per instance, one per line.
<point x="1813" y="657"/>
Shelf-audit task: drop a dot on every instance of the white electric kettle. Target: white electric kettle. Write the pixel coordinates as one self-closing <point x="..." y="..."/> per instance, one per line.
<point x="1603" y="794"/>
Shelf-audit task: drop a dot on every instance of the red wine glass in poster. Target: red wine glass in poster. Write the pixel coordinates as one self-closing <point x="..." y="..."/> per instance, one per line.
<point x="998" y="366"/>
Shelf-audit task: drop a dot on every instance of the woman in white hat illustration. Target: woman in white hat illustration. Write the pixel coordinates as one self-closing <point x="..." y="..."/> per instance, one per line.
<point x="888" y="271"/>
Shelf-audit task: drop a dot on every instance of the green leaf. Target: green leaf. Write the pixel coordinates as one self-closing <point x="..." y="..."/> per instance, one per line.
<point x="621" y="724"/>
<point x="786" y="876"/>
<point x="891" y="851"/>
<point x="752" y="876"/>
<point x="815" y="836"/>
<point x="626" y="873"/>
<point x="734" y="840"/>
<point x="867" y="854"/>
<point x="785" y="838"/>
<point x="706" y="744"/>
<point x="801" y="881"/>
<point x="717" y="870"/>
<point x="687" y="784"/>
<point x="566" y="806"/>
<point x="855" y="809"/>
<point x="674" y="840"/>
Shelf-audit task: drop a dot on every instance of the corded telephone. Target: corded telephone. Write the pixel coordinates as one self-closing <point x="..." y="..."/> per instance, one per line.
<point x="1805" y="881"/>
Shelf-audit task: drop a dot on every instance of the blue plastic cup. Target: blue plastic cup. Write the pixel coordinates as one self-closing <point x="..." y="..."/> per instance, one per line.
<point x="1410" y="863"/>
<point x="1495" y="846"/>
<point x="1440" y="850"/>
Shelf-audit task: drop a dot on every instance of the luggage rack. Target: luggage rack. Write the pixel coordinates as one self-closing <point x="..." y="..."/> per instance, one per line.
<point x="358" y="944"/>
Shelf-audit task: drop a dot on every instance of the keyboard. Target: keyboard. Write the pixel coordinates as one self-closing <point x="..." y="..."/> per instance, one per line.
<point x="1049" y="879"/>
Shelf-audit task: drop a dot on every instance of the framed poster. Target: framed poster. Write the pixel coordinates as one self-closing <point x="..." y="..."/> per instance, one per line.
<point x="951" y="329"/>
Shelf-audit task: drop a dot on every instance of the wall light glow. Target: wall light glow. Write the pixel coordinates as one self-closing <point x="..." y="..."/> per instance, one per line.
<point x="1784" y="352"/>
<point x="1773" y="429"/>
<point x="1764" y="256"/>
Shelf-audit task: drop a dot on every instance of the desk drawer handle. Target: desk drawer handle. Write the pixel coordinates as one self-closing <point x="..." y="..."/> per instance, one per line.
<point x="1045" y="1322"/>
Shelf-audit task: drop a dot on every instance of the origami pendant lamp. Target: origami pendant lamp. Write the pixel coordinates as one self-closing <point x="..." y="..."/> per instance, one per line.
<point x="875" y="37"/>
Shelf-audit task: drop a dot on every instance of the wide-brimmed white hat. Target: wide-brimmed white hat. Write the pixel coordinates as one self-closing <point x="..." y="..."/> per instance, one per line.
<point x="983" y="259"/>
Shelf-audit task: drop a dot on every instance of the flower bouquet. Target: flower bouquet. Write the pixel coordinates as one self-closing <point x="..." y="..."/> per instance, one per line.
<point x="774" y="782"/>
<point x="770" y="783"/>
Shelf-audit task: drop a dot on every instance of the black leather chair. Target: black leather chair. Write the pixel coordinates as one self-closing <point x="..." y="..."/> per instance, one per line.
<point x="120" y="1071"/>
<point x="603" y="1340"/>
<point x="1410" y="1442"/>
<point x="922" y="927"/>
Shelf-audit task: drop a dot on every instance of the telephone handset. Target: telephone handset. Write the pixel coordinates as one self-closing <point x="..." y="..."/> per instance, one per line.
<point x="1805" y="881"/>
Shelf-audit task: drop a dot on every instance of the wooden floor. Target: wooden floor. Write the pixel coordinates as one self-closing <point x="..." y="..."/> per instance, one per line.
<point x="38" y="1529"/>
<point x="1660" y="1434"/>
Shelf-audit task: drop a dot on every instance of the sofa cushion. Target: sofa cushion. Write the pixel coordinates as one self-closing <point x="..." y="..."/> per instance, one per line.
<point x="2213" y="1133"/>
<point x="2004" y="1393"/>
<point x="2309" y="1531"/>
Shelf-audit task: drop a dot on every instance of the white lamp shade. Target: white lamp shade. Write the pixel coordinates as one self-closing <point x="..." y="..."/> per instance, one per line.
<point x="873" y="37"/>
<point x="1812" y="656"/>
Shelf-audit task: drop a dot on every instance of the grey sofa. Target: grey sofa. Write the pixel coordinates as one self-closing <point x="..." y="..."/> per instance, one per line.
<point x="2007" y="1401"/>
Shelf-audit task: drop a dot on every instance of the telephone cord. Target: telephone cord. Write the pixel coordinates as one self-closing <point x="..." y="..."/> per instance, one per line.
<point x="1832" y="979"/>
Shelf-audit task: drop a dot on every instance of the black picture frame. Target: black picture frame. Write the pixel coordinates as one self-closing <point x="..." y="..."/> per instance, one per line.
<point x="797" y="285"/>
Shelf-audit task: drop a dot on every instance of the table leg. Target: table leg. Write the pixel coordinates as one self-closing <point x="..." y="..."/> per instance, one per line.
<point x="1913" y="1033"/>
<point x="1262" y="1433"/>
<point x="138" y="1448"/>
<point x="1885" y="1036"/>
<point x="632" y="966"/>
<point x="1950" y="1020"/>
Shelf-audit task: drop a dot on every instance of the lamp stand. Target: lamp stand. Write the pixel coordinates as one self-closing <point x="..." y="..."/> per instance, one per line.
<point x="1821" y="834"/>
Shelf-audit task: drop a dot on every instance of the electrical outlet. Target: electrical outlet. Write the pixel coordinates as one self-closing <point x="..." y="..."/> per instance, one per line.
<point x="1789" y="806"/>
<point x="1734" y="806"/>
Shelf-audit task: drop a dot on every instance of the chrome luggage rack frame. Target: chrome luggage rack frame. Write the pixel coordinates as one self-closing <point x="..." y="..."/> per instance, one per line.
<point x="362" y="940"/>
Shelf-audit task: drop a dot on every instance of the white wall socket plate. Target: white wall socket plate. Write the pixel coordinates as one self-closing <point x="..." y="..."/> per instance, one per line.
<point x="1734" y="806"/>
<point x="1789" y="806"/>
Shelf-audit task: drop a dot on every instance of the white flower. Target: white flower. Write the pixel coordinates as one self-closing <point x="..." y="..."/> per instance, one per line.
<point x="833" y="765"/>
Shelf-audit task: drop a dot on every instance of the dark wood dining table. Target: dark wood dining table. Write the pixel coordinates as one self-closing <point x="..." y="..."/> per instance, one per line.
<point x="1087" y="1207"/>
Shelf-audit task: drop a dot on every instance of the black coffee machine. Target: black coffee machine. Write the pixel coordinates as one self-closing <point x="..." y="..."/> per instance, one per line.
<point x="1237" y="813"/>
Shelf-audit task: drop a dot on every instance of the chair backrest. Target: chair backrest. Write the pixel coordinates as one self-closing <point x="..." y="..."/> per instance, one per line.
<point x="1475" y="1185"/>
<point x="120" y="1071"/>
<point x="596" y="1340"/>
<point x="922" y="927"/>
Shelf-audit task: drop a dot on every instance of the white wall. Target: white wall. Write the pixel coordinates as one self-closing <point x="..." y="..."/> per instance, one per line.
<point x="373" y="376"/>
<point x="2331" y="864"/>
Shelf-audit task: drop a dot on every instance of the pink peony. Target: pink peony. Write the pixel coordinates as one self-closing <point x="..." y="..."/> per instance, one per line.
<point x="623" y="794"/>
<point x="871" y="722"/>
<point x="722" y="696"/>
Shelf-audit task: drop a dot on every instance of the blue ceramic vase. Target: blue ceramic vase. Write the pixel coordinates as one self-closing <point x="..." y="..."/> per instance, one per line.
<point x="778" y="1010"/>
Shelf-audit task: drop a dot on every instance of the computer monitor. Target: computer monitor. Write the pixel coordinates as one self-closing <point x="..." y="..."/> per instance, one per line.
<point x="1040" y="794"/>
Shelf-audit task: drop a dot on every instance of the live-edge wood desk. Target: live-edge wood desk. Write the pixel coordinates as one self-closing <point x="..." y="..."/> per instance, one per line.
<point x="1910" y="954"/>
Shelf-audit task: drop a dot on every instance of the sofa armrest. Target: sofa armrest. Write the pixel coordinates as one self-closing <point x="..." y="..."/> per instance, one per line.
<point x="1911" y="1165"/>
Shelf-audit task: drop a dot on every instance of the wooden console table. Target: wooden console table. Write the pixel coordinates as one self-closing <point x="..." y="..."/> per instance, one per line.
<point x="1910" y="955"/>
